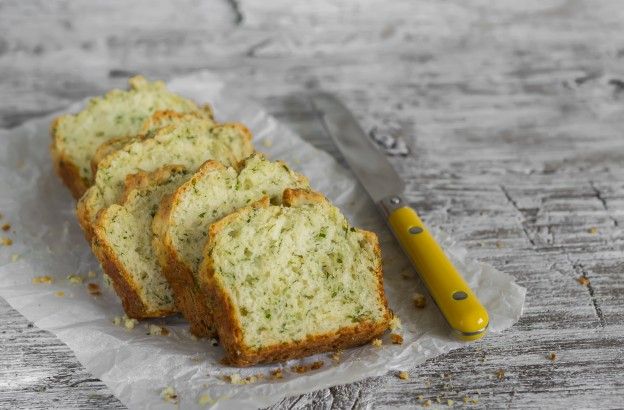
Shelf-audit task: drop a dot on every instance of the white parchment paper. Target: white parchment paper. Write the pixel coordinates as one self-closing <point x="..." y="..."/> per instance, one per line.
<point x="136" y="366"/>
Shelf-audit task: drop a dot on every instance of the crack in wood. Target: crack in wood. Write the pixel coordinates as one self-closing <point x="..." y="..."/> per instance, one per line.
<point x="579" y="268"/>
<point x="236" y="9"/>
<point x="603" y="201"/>
<point x="517" y="208"/>
<point x="251" y="52"/>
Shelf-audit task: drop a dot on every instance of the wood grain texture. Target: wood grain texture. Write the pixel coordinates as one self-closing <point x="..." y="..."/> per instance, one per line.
<point x="513" y="112"/>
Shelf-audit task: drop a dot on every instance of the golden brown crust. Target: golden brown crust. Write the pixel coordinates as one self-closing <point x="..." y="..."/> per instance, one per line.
<point x="64" y="167"/>
<point x="83" y="214"/>
<point x="123" y="282"/>
<point x="229" y="327"/>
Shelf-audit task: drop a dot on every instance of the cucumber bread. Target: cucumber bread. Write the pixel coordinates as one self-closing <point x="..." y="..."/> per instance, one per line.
<point x="182" y="221"/>
<point x="118" y="114"/>
<point x="188" y="143"/>
<point x="155" y="122"/>
<point x="123" y="243"/>
<point x="292" y="280"/>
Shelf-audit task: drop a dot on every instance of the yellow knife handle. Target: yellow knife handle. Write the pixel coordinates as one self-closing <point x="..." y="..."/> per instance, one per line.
<point x="459" y="305"/>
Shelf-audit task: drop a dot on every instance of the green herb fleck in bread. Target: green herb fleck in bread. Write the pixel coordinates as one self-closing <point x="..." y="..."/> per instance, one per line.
<point x="183" y="219"/>
<point x="155" y="122"/>
<point x="123" y="243"/>
<point x="118" y="114"/>
<point x="293" y="280"/>
<point x="188" y="143"/>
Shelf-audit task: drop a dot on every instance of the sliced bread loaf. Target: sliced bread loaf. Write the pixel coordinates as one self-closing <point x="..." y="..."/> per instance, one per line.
<point x="155" y="122"/>
<point x="118" y="114"/>
<point x="188" y="143"/>
<point x="123" y="243"/>
<point x="182" y="221"/>
<point x="291" y="281"/>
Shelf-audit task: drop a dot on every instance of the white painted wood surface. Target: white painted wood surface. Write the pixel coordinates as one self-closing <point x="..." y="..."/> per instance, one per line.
<point x="514" y="114"/>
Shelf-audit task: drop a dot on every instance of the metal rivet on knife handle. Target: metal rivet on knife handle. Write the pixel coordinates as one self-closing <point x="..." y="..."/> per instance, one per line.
<point x="415" y="230"/>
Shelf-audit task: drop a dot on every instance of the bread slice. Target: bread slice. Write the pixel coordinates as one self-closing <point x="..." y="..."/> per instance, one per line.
<point x="293" y="280"/>
<point x="157" y="121"/>
<point x="188" y="143"/>
<point x="117" y="114"/>
<point x="183" y="219"/>
<point x="123" y="243"/>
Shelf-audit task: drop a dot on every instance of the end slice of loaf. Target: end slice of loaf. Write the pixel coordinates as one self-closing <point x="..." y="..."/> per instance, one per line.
<point x="182" y="221"/>
<point x="123" y="243"/>
<point x="189" y="143"/>
<point x="155" y="122"/>
<point x="117" y="114"/>
<point x="291" y="281"/>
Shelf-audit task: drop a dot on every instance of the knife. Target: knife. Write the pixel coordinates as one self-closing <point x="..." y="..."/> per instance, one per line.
<point x="460" y="307"/>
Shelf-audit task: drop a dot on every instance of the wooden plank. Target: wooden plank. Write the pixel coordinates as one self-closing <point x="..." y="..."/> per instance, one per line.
<point x="513" y="115"/>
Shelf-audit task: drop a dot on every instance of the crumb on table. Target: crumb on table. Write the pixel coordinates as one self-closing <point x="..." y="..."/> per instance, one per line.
<point x="43" y="279"/>
<point x="396" y="339"/>
<point x="420" y="301"/>
<point x="169" y="394"/>
<point x="7" y="241"/>
<point x="59" y="294"/>
<point x="277" y="374"/>
<point x="500" y="374"/>
<point x="583" y="280"/>
<point x="205" y="399"/>
<point x="6" y="227"/>
<point x="552" y="356"/>
<point x="155" y="330"/>
<point x="376" y="342"/>
<point x="336" y="356"/>
<point x="403" y="375"/>
<point x="395" y="323"/>
<point x="94" y="289"/>
<point x="303" y="368"/>
<point x="75" y="279"/>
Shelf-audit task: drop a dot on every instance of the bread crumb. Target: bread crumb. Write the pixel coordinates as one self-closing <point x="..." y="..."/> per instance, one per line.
<point x="396" y="339"/>
<point x="7" y="241"/>
<point x="214" y="342"/>
<point x="117" y="320"/>
<point x="427" y="403"/>
<point x="43" y="279"/>
<point x="302" y="368"/>
<point x="169" y="395"/>
<point x="403" y="375"/>
<point x="336" y="356"/>
<point x="395" y="323"/>
<point x="583" y="280"/>
<point x="277" y="374"/>
<point x="75" y="279"/>
<point x="420" y="397"/>
<point x="205" y="399"/>
<point x="129" y="323"/>
<point x="500" y="374"/>
<point x="59" y="294"/>
<point x="6" y="227"/>
<point x="155" y="330"/>
<point x="235" y="378"/>
<point x="94" y="289"/>
<point x="92" y="274"/>
<point x="450" y="402"/>
<point x="267" y="142"/>
<point x="15" y="257"/>
<point x="593" y="230"/>
<point x="552" y="356"/>
<point x="194" y="338"/>
<point x="420" y="301"/>
<point x="376" y="342"/>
